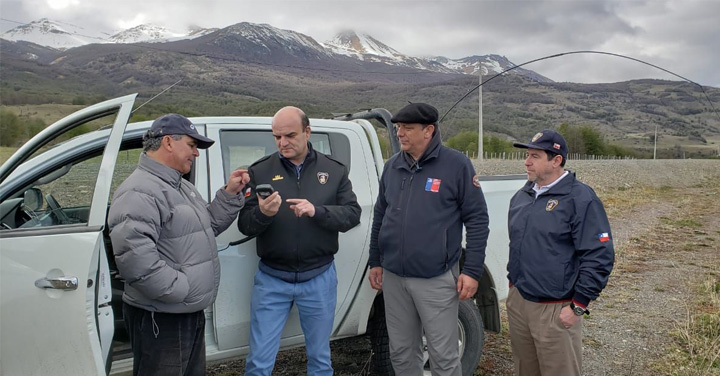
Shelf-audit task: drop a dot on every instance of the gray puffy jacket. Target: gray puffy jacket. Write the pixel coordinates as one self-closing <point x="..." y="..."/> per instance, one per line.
<point x="163" y="237"/>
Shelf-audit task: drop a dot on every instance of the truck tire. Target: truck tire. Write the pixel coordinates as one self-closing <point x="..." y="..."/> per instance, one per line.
<point x="471" y="337"/>
<point x="379" y="342"/>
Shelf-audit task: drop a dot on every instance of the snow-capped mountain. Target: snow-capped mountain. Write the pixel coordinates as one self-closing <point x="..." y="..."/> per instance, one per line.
<point x="487" y="65"/>
<point x="52" y="34"/>
<point x="270" y="37"/>
<point x="145" y="33"/>
<point x="195" y="31"/>
<point x="267" y="44"/>
<point x="367" y="48"/>
<point x="361" y="46"/>
<point x="60" y="35"/>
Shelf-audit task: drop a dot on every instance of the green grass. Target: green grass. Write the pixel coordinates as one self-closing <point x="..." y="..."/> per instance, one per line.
<point x="696" y="350"/>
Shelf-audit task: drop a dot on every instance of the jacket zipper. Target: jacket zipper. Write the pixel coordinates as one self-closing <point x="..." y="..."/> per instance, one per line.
<point x="297" y="228"/>
<point x="404" y="222"/>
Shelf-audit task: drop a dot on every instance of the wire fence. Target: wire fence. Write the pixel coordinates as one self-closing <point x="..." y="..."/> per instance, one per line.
<point x="520" y="155"/>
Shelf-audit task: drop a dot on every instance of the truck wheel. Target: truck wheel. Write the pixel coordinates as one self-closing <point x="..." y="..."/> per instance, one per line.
<point x="471" y="337"/>
<point x="379" y="342"/>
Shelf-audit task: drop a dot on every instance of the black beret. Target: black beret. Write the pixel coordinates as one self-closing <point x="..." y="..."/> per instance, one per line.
<point x="421" y="113"/>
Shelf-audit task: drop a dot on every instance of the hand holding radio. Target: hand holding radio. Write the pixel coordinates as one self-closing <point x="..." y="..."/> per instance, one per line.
<point x="268" y="200"/>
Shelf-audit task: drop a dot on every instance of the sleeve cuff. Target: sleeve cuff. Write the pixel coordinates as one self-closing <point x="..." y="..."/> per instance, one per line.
<point x="470" y="274"/>
<point x="320" y="211"/>
<point x="262" y="218"/>
<point x="581" y="301"/>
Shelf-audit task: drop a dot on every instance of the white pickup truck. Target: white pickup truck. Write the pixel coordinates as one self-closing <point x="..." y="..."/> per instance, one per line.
<point x="60" y="292"/>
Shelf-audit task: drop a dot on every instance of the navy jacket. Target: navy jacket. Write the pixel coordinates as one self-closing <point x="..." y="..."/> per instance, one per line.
<point x="560" y="243"/>
<point x="419" y="215"/>
<point x="286" y="242"/>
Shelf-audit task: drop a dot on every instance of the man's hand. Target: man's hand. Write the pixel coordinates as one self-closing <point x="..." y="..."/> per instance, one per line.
<point x="568" y="317"/>
<point x="270" y="205"/>
<point x="375" y="277"/>
<point x="466" y="286"/>
<point x="301" y="207"/>
<point x="237" y="181"/>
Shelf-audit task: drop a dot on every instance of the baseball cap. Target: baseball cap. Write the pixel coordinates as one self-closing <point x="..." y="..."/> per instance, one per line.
<point x="547" y="140"/>
<point x="421" y="113"/>
<point x="174" y="124"/>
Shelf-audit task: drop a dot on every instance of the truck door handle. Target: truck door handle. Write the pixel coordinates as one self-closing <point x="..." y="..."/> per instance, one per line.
<point x="60" y="283"/>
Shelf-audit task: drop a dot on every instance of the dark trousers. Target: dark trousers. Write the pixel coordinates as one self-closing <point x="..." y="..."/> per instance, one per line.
<point x="166" y="344"/>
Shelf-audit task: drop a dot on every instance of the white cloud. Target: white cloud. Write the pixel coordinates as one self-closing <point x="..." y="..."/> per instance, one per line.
<point x="139" y="19"/>
<point x="61" y="4"/>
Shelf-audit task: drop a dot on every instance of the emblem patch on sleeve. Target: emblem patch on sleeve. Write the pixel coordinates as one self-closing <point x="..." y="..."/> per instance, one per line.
<point x="551" y="204"/>
<point x="323" y="177"/>
<point x="604" y="237"/>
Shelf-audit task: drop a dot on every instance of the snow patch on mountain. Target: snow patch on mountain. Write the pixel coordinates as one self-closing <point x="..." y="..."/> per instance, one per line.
<point x="264" y="34"/>
<point x="361" y="46"/>
<point x="146" y="33"/>
<point x="52" y="34"/>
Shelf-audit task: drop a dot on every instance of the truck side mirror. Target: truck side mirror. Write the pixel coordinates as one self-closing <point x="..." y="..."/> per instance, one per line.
<point x="33" y="199"/>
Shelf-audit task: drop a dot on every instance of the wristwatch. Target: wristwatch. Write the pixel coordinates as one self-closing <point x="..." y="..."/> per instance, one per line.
<point x="577" y="310"/>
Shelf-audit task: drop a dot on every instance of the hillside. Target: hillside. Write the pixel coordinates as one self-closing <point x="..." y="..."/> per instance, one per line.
<point x="249" y="69"/>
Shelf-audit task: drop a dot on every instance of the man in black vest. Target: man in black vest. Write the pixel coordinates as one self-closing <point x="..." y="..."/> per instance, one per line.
<point x="296" y="241"/>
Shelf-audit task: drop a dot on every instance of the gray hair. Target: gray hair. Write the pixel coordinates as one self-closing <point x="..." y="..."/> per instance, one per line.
<point x="153" y="143"/>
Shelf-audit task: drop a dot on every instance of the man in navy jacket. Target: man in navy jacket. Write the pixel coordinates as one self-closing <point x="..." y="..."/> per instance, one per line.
<point x="427" y="193"/>
<point x="561" y="254"/>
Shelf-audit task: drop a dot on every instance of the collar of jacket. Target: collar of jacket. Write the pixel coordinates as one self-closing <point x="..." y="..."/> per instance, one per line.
<point x="431" y="152"/>
<point x="165" y="173"/>
<point x="308" y="158"/>
<point x="563" y="187"/>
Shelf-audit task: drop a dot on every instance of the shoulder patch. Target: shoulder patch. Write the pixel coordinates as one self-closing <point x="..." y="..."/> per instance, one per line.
<point x="476" y="180"/>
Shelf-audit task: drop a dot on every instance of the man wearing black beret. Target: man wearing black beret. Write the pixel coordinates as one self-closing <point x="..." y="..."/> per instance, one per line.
<point x="427" y="193"/>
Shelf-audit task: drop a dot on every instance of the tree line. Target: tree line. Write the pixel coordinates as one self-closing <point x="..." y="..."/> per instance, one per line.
<point x="580" y="139"/>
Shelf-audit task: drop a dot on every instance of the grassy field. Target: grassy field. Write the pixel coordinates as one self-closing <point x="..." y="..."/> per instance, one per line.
<point x="49" y="113"/>
<point x="5" y="153"/>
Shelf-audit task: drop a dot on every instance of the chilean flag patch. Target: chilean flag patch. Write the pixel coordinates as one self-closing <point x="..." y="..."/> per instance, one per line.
<point x="432" y="185"/>
<point x="604" y="237"/>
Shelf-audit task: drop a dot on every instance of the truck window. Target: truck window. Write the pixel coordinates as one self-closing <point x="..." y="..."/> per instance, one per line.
<point x="62" y="191"/>
<point x="243" y="148"/>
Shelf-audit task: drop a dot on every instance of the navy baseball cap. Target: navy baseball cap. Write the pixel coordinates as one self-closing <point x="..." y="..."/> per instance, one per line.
<point x="547" y="140"/>
<point x="174" y="124"/>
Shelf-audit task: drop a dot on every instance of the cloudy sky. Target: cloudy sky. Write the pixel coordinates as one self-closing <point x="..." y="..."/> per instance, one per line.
<point x="682" y="36"/>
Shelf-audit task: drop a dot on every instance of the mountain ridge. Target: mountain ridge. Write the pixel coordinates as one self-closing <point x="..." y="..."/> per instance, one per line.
<point x="346" y="44"/>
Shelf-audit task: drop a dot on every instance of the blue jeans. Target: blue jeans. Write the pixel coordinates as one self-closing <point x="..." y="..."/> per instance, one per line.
<point x="270" y="306"/>
<point x="166" y="344"/>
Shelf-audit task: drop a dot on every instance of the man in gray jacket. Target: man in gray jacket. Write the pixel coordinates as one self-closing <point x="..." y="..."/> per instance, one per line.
<point x="163" y="236"/>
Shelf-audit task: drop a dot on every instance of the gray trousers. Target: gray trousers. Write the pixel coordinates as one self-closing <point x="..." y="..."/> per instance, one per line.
<point x="414" y="306"/>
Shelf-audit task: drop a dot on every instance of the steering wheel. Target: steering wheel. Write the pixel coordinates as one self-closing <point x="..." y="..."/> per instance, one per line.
<point x="56" y="210"/>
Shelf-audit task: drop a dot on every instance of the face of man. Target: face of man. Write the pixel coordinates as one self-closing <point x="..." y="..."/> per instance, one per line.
<point x="182" y="152"/>
<point x="541" y="171"/>
<point x="413" y="138"/>
<point x="290" y="138"/>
